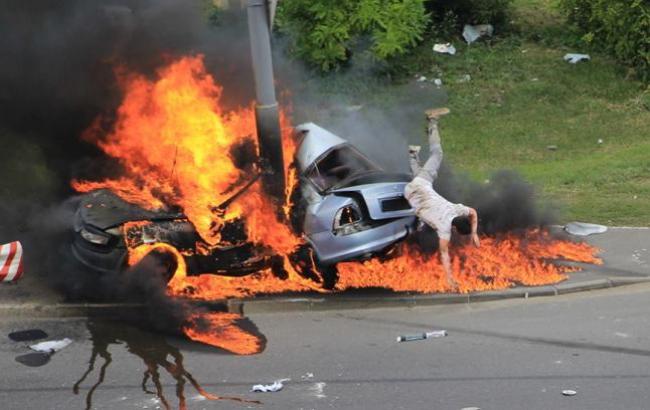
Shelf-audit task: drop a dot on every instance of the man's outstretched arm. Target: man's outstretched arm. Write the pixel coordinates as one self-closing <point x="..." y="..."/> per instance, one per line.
<point x="446" y="262"/>
<point x="473" y="217"/>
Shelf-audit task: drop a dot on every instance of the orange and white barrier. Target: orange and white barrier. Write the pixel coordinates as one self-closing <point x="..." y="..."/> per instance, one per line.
<point x="11" y="262"/>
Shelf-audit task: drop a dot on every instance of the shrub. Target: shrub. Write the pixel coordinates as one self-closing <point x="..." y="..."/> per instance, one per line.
<point x="495" y="12"/>
<point x="324" y="32"/>
<point x="622" y="27"/>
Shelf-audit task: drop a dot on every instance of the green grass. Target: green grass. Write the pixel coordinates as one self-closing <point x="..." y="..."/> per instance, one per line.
<point x="523" y="97"/>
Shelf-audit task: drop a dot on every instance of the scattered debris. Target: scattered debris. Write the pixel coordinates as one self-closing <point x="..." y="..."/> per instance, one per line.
<point x="307" y="376"/>
<point x="438" y="82"/>
<point x="422" y="336"/>
<point x="51" y="346"/>
<point x="569" y="392"/>
<point x="584" y="229"/>
<point x="473" y="33"/>
<point x="317" y="389"/>
<point x="27" y="335"/>
<point x="34" y="359"/>
<point x="269" y="388"/>
<point x="471" y="408"/>
<point x="446" y="48"/>
<point x="551" y="147"/>
<point x="576" y="58"/>
<point x="465" y="78"/>
<point x="353" y="108"/>
<point x="11" y="261"/>
<point x="600" y="140"/>
<point x="421" y="79"/>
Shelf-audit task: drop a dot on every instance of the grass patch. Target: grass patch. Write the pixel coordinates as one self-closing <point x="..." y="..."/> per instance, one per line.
<point x="523" y="98"/>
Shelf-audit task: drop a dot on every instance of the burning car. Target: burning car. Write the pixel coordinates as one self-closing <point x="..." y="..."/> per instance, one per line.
<point x="349" y="209"/>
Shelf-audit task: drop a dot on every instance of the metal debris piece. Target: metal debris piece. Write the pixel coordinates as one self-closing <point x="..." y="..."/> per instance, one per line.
<point x="269" y="388"/>
<point x="51" y="346"/>
<point x="471" y="408"/>
<point x="584" y="229"/>
<point x="446" y="48"/>
<point x="307" y="376"/>
<point x="569" y="392"/>
<point x="576" y="58"/>
<point x="422" y="336"/>
<point x="551" y="147"/>
<point x="473" y="33"/>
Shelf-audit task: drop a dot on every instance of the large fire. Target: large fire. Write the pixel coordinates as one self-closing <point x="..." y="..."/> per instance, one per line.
<point x="174" y="141"/>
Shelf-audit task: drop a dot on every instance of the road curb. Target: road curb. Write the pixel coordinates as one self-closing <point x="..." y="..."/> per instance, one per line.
<point x="323" y="302"/>
<point x="333" y="302"/>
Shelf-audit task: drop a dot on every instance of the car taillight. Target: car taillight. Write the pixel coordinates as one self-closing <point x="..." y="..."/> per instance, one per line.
<point x="93" y="237"/>
<point x="348" y="220"/>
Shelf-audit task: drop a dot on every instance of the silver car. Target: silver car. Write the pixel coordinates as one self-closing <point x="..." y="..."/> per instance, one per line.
<point x="353" y="208"/>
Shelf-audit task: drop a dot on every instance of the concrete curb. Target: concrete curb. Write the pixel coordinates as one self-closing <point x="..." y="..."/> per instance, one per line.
<point x="333" y="302"/>
<point x="321" y="302"/>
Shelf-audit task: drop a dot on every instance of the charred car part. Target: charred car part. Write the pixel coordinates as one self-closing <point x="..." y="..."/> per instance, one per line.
<point x="352" y="209"/>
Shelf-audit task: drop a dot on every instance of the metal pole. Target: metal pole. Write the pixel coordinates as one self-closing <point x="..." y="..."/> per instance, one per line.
<point x="266" y="111"/>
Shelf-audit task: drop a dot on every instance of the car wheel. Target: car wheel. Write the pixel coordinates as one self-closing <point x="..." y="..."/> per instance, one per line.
<point x="159" y="264"/>
<point x="328" y="274"/>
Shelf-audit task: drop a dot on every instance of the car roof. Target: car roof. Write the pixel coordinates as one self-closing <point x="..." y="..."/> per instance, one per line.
<point x="316" y="142"/>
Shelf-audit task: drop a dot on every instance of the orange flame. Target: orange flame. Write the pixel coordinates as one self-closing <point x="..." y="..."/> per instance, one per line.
<point x="222" y="330"/>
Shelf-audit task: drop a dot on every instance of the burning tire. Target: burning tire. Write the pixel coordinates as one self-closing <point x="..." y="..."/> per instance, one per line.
<point x="159" y="264"/>
<point x="328" y="275"/>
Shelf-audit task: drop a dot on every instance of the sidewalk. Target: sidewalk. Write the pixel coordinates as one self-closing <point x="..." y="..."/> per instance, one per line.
<point x="625" y="252"/>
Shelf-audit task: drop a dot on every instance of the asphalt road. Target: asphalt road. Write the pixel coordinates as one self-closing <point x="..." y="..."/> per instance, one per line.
<point x="512" y="354"/>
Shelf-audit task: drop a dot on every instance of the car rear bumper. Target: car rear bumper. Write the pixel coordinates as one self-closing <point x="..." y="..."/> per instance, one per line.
<point x="331" y="249"/>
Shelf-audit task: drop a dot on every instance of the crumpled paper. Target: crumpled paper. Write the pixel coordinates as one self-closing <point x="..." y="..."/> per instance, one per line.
<point x="269" y="388"/>
<point x="51" y="346"/>
<point x="576" y="58"/>
<point x="447" y="48"/>
<point x="473" y="33"/>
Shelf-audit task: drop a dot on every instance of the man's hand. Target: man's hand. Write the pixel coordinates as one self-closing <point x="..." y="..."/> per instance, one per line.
<point x="475" y="240"/>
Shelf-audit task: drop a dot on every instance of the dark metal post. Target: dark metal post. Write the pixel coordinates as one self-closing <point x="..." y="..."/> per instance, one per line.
<point x="266" y="111"/>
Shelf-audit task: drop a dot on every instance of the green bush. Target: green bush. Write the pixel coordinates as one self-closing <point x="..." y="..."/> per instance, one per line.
<point x="622" y="27"/>
<point x="495" y="12"/>
<point x="324" y="32"/>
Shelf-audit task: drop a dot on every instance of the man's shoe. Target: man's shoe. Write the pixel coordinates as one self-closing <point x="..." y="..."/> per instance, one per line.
<point x="414" y="149"/>
<point x="436" y="113"/>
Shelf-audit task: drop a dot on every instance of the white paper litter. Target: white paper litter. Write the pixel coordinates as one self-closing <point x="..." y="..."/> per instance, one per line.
<point x="438" y="82"/>
<point x="473" y="33"/>
<point x="576" y="58"/>
<point x="51" y="346"/>
<point x="446" y="48"/>
<point x="584" y="229"/>
<point x="471" y="408"/>
<point x="569" y="392"/>
<point x="422" y="336"/>
<point x="269" y="388"/>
